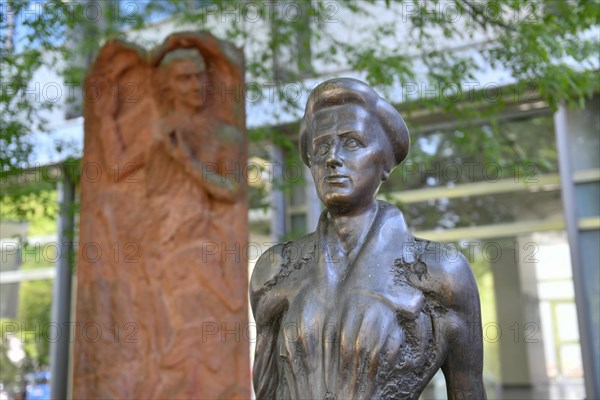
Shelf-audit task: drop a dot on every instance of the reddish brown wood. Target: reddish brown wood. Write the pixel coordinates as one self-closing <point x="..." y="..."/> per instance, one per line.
<point x="161" y="275"/>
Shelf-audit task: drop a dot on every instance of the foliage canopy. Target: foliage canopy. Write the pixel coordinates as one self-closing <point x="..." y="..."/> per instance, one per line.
<point x="551" y="44"/>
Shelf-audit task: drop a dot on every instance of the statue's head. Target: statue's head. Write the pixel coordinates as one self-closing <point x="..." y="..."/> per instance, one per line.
<point x="351" y="139"/>
<point x="185" y="74"/>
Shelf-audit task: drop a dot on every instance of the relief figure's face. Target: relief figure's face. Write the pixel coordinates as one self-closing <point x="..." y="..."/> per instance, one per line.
<point x="187" y="79"/>
<point x="348" y="158"/>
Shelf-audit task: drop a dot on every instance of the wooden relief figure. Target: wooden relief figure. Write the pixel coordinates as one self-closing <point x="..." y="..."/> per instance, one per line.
<point x="161" y="303"/>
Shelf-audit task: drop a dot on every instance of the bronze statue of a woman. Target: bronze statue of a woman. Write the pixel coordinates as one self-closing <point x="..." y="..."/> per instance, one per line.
<point x="360" y="308"/>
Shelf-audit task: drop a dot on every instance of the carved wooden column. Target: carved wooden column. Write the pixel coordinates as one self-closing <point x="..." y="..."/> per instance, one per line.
<point x="161" y="273"/>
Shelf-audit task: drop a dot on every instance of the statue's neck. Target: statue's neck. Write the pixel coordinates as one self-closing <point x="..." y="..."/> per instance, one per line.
<point x="350" y="230"/>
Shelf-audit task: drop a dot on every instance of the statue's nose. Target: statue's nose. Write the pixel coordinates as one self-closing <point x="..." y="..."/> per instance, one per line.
<point x="333" y="159"/>
<point x="196" y="83"/>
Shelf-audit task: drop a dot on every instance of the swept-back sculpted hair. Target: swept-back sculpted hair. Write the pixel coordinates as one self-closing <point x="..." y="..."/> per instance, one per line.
<point x="348" y="91"/>
<point x="181" y="55"/>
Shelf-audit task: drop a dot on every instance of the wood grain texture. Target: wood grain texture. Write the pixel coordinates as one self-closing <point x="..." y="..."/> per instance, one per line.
<point x="161" y="282"/>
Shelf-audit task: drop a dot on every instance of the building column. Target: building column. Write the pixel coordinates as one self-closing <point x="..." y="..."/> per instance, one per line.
<point x="578" y="147"/>
<point x="61" y="295"/>
<point x="511" y="315"/>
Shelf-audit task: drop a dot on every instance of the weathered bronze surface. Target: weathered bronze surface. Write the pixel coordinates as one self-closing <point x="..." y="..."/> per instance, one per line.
<point x="360" y="308"/>
<point x="161" y="288"/>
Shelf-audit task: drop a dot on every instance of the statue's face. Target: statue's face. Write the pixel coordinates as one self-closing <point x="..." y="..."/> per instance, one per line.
<point x="187" y="80"/>
<point x="348" y="157"/>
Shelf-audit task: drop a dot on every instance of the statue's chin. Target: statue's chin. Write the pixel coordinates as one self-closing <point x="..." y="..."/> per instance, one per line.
<point x="339" y="203"/>
<point x="189" y="107"/>
<point x="334" y="199"/>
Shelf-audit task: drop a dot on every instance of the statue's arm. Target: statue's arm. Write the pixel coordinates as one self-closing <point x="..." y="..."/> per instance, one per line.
<point x="267" y="308"/>
<point x="463" y="367"/>
<point x="219" y="186"/>
<point x="120" y="160"/>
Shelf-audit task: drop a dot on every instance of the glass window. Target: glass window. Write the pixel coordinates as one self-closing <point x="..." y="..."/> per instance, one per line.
<point x="517" y="148"/>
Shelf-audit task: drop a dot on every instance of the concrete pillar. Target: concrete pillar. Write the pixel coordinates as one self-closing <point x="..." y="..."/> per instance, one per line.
<point x="61" y="295"/>
<point x="530" y="333"/>
<point x="578" y="147"/>
<point x="510" y="312"/>
<point x="518" y="328"/>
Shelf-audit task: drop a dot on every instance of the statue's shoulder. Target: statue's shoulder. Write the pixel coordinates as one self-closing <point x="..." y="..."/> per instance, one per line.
<point x="266" y="266"/>
<point x="448" y="272"/>
<point x="279" y="261"/>
<point x="430" y="266"/>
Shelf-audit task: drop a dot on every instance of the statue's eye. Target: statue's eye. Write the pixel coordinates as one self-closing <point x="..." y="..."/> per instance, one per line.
<point x="322" y="149"/>
<point x="351" y="143"/>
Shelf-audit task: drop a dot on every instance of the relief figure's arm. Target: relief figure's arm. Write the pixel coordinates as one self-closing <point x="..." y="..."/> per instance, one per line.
<point x="120" y="159"/>
<point x="221" y="187"/>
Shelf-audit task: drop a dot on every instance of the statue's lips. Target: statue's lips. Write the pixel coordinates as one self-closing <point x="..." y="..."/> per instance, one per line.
<point x="336" y="178"/>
